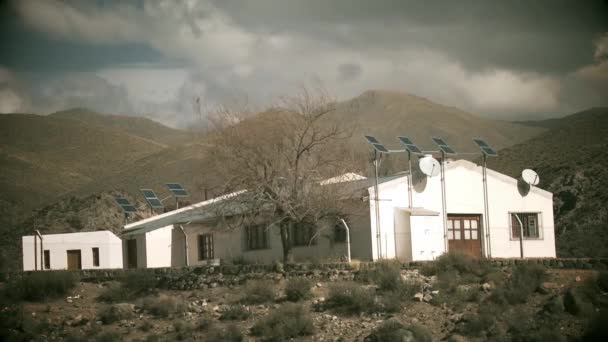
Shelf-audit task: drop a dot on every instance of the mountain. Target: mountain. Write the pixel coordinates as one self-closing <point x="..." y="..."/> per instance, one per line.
<point x="388" y="114"/>
<point x="571" y="158"/>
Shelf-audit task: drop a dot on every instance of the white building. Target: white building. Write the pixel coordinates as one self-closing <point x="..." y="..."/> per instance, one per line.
<point x="72" y="251"/>
<point x="410" y="233"/>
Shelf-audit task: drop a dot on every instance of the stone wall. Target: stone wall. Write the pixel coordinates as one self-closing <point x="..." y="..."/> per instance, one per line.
<point x="227" y="275"/>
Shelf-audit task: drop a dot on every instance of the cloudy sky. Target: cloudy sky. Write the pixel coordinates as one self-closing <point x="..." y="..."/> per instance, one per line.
<point x="504" y="59"/>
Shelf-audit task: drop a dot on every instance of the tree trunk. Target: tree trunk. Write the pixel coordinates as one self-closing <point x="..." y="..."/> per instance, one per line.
<point x="286" y="242"/>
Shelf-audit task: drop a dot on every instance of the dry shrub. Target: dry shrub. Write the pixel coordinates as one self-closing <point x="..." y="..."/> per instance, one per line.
<point x="298" y="289"/>
<point x="41" y="285"/>
<point x="258" y="292"/>
<point x="525" y="280"/>
<point x="109" y="314"/>
<point x="395" y="331"/>
<point x="164" y="306"/>
<point x="351" y="298"/>
<point x="235" y="313"/>
<point x="230" y="333"/>
<point x="288" y="321"/>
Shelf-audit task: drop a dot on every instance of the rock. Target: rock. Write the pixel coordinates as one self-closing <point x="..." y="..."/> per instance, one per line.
<point x="577" y="279"/>
<point x="435" y="292"/>
<point x="419" y="297"/>
<point x="487" y="287"/>
<point x="319" y="285"/>
<point x="575" y="304"/>
<point x="457" y="338"/>
<point x="427" y="298"/>
<point x="457" y="317"/>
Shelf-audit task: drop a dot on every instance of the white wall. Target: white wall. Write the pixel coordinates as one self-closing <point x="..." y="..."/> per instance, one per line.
<point x="110" y="249"/>
<point x="158" y="247"/>
<point x="464" y="195"/>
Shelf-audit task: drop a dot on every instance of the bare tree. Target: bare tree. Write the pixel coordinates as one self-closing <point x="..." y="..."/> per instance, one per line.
<point x="280" y="156"/>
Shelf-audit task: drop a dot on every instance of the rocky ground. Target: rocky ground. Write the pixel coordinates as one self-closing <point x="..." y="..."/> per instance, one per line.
<point x="189" y="314"/>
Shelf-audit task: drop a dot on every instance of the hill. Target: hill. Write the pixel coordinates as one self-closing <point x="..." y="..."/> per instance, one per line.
<point x="132" y="125"/>
<point x="80" y="153"/>
<point x="572" y="161"/>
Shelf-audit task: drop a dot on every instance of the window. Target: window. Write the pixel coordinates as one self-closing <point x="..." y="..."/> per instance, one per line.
<point x="301" y="234"/>
<point x="530" y="225"/>
<point x="96" y="256"/>
<point x="339" y="233"/>
<point x="256" y="237"/>
<point x="205" y="247"/>
<point x="47" y="259"/>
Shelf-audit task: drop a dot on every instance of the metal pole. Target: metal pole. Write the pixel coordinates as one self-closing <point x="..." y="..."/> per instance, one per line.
<point x="521" y="236"/>
<point x="377" y="202"/>
<point x="176" y="203"/>
<point x="186" y="243"/>
<point x="347" y="239"/>
<point x="41" y="250"/>
<point x="488" y="241"/>
<point x="35" y="253"/>
<point x="443" y="203"/>
<point x="409" y="179"/>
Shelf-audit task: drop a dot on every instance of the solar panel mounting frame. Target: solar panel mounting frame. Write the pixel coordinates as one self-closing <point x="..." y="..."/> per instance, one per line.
<point x="485" y="148"/>
<point x="177" y="190"/>
<point x="443" y="146"/>
<point x="126" y="206"/>
<point x="152" y="199"/>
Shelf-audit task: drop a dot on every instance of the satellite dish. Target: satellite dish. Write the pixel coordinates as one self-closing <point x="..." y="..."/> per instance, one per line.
<point x="429" y="166"/>
<point x="530" y="177"/>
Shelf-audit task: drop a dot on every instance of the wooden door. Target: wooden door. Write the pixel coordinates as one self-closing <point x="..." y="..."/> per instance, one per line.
<point x="74" y="261"/>
<point x="132" y="253"/>
<point x="464" y="234"/>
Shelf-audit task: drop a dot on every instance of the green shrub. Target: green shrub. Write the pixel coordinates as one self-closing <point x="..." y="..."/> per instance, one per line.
<point x="235" y="313"/>
<point x="231" y="333"/>
<point x="392" y="301"/>
<point x="602" y="281"/>
<point x="139" y="281"/>
<point x="351" y="298"/>
<point x="395" y="331"/>
<point x="164" y="306"/>
<point x="288" y="321"/>
<point x="524" y="281"/>
<point x="386" y="274"/>
<point x="109" y="314"/>
<point x="298" y="289"/>
<point x="258" y="292"/>
<point x="482" y="323"/>
<point x="41" y="285"/>
<point x="597" y="329"/>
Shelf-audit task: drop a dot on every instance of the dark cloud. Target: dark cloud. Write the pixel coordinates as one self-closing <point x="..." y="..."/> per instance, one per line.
<point x="497" y="58"/>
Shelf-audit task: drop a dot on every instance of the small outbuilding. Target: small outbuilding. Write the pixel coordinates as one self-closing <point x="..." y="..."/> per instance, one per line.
<point x="72" y="251"/>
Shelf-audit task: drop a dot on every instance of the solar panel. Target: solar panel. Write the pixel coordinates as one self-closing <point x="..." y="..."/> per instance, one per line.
<point x="151" y="198"/>
<point x="406" y="141"/>
<point x="380" y="148"/>
<point x="371" y="140"/>
<point x="481" y="143"/>
<point x="443" y="146"/>
<point x="447" y="149"/>
<point x="489" y="151"/>
<point x="485" y="148"/>
<point x="409" y="145"/>
<point x="125" y="205"/>
<point x="439" y="142"/>
<point x="177" y="190"/>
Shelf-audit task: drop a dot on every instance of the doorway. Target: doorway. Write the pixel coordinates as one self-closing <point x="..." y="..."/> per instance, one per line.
<point x="464" y="234"/>
<point x="132" y="253"/>
<point x="74" y="259"/>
